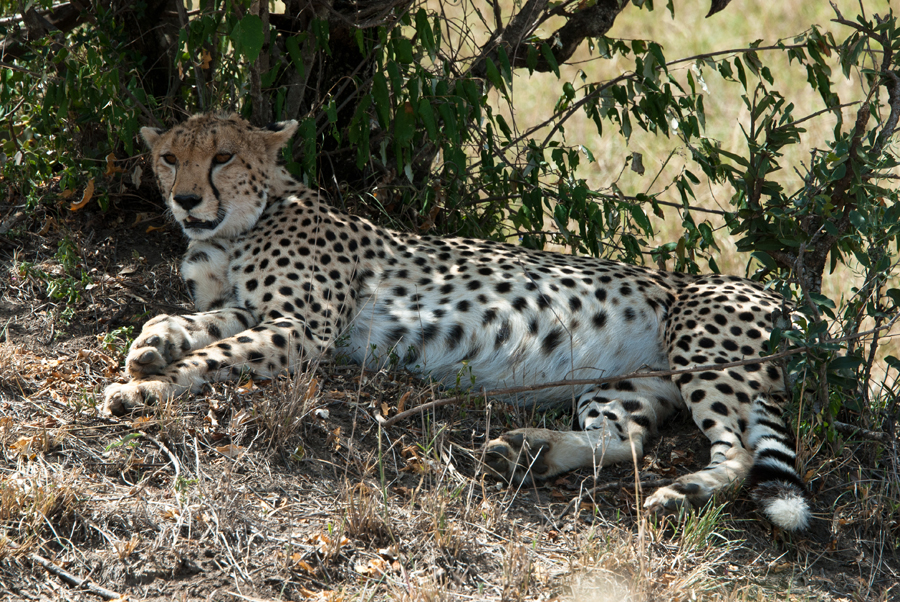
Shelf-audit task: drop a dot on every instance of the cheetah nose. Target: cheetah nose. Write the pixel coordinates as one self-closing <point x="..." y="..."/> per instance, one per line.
<point x="187" y="201"/>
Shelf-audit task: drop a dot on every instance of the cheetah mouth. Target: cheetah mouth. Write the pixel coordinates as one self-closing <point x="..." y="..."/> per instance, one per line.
<point x="193" y="223"/>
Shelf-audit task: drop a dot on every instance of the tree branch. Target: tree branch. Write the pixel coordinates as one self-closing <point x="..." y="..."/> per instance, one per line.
<point x="386" y="422"/>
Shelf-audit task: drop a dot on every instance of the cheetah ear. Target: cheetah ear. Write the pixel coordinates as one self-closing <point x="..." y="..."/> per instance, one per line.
<point x="151" y="136"/>
<point x="276" y="135"/>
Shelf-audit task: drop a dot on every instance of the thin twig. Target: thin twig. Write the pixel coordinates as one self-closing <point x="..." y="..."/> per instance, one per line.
<point x="172" y="456"/>
<point x="856" y="431"/>
<point x="198" y="74"/>
<point x="73" y="579"/>
<point x="621" y="483"/>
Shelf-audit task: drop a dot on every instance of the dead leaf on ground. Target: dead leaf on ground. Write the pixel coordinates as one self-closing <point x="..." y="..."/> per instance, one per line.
<point x="401" y="405"/>
<point x="29" y="446"/>
<point x="111" y="167"/>
<point x="85" y="198"/>
<point x="240" y="419"/>
<point x="231" y="450"/>
<point x="681" y="457"/>
<point x="376" y="567"/>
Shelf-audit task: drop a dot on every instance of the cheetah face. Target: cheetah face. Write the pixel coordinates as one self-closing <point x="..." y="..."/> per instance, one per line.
<point x="213" y="172"/>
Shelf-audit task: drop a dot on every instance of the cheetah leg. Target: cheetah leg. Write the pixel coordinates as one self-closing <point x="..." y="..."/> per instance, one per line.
<point x="165" y="339"/>
<point x="615" y="422"/>
<point x="720" y="404"/>
<point x="729" y="462"/>
<point x="777" y="488"/>
<point x="272" y="347"/>
<point x="739" y="409"/>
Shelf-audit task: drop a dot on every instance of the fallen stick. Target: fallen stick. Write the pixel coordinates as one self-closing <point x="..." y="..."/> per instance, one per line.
<point x="73" y="579"/>
<point x="628" y="483"/>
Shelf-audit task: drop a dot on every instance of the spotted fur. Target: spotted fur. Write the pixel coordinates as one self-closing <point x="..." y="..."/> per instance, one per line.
<point x="278" y="278"/>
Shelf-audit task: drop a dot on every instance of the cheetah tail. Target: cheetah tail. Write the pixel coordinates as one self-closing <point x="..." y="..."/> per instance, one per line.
<point x="775" y="486"/>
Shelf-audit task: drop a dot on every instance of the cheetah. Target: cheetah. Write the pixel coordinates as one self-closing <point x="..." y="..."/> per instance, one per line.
<point x="278" y="278"/>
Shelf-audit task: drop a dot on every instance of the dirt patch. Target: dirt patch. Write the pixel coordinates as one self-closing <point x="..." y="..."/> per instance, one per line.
<point x="291" y="490"/>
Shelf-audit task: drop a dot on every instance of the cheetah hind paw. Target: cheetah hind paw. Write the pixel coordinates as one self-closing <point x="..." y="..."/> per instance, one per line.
<point x="521" y="455"/>
<point x="675" y="498"/>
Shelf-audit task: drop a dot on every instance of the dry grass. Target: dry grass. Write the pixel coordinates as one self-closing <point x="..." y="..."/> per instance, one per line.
<point x="205" y="506"/>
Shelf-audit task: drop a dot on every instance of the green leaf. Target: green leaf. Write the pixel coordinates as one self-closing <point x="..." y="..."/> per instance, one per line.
<point x="740" y="71"/>
<point x="396" y="78"/>
<point x="839" y="172"/>
<point x="847" y="362"/>
<point x="551" y="60"/>
<point x="423" y="28"/>
<point x="248" y="37"/>
<point x="626" y="125"/>
<point x="531" y="59"/>
<point x="382" y="99"/>
<point x="404" y="123"/>
<point x="449" y="117"/>
<point x="765" y="259"/>
<point x="321" y="29"/>
<point x="656" y="51"/>
<point x="821" y="300"/>
<point x="493" y="75"/>
<point x="426" y="114"/>
<point x="774" y="339"/>
<point x="893" y="362"/>
<point x="736" y="158"/>
<point x="894" y="294"/>
<point x="403" y="50"/>
<point x="505" y="68"/>
<point x="504" y="127"/>
<point x="706" y="234"/>
<point x="640" y="218"/>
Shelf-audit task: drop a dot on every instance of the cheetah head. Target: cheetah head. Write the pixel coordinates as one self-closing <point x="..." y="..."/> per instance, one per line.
<point x="214" y="171"/>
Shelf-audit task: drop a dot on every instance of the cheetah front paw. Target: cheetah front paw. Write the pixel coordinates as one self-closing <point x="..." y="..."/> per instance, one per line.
<point x="161" y="342"/>
<point x="522" y="455"/>
<point x="125" y="398"/>
<point x="145" y="358"/>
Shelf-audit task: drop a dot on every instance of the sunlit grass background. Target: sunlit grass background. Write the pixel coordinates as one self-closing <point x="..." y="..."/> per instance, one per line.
<point x="688" y="34"/>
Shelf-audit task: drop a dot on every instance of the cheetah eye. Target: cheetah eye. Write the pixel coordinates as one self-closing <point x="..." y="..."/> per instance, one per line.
<point x="222" y="158"/>
<point x="170" y="159"/>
